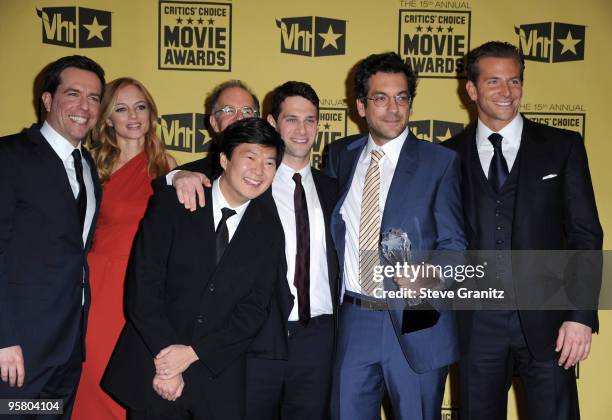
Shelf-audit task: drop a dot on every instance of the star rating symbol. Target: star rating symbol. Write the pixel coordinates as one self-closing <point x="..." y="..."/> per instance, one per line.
<point x="327" y="126"/>
<point x="330" y="38"/>
<point x="179" y="20"/>
<point x="211" y="21"/>
<point x="95" y="29"/>
<point x="445" y="136"/>
<point x="449" y="29"/>
<point x="429" y="28"/>
<point x="440" y="29"/>
<point x="419" y="28"/>
<point x="200" y="21"/>
<point x="189" y="21"/>
<point x="569" y="43"/>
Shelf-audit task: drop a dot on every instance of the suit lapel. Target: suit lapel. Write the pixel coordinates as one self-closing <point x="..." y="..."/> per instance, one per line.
<point x="530" y="154"/>
<point x="327" y="206"/>
<point x="347" y="163"/>
<point x="205" y="231"/>
<point x="55" y="171"/>
<point x="350" y="156"/>
<point x="402" y="182"/>
<point x="326" y="203"/>
<point x="97" y="194"/>
<point x="247" y="229"/>
<point x="472" y="168"/>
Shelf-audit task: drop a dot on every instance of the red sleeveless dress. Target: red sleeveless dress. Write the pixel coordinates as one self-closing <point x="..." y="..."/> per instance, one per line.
<point x="123" y="205"/>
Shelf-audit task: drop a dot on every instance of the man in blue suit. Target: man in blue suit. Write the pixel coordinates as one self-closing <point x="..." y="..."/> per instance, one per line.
<point x="388" y="179"/>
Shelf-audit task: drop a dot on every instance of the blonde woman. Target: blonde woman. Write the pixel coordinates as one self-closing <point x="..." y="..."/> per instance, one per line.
<point x="128" y="155"/>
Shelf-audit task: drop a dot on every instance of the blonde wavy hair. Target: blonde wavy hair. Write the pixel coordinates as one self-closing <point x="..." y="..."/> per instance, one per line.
<point x="105" y="149"/>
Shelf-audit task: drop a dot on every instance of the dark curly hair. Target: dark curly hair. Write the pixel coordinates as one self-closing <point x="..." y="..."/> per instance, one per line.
<point x="388" y="62"/>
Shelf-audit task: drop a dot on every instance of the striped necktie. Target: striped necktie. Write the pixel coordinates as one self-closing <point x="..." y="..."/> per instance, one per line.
<point x="369" y="225"/>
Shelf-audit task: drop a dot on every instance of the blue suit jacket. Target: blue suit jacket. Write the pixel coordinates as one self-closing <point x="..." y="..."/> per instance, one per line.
<point x="424" y="200"/>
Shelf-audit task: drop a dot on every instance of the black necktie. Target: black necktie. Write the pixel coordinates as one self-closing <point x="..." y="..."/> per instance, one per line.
<point x="81" y="199"/>
<point x="498" y="170"/>
<point x="301" y="279"/>
<point x="222" y="234"/>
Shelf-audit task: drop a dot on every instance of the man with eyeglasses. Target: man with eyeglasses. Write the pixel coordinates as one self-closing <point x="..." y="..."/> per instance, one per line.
<point x="388" y="179"/>
<point x="229" y="102"/>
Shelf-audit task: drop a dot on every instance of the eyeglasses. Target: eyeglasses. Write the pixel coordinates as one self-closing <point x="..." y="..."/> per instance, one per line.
<point x="382" y="100"/>
<point x="231" y="111"/>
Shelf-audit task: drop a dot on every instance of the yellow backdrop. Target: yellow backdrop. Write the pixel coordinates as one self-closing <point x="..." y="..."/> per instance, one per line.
<point x="180" y="50"/>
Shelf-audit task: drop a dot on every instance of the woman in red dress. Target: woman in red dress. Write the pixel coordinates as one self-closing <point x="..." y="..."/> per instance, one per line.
<point x="128" y="155"/>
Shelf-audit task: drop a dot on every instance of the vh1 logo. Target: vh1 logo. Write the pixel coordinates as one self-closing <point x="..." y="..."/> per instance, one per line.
<point x="435" y="131"/>
<point x="312" y="36"/>
<point x="184" y="132"/>
<point x="551" y="42"/>
<point x="61" y="27"/>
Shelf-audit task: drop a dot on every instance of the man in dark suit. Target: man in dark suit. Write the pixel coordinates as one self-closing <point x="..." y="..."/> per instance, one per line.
<point x="388" y="179"/>
<point x="50" y="198"/>
<point x="199" y="287"/>
<point x="526" y="186"/>
<point x="295" y="380"/>
<point x="298" y="386"/>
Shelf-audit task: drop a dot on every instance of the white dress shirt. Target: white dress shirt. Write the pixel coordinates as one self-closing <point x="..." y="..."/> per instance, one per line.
<point x="218" y="202"/>
<point x="351" y="208"/>
<point x="511" y="142"/>
<point x="283" y="188"/>
<point x="63" y="148"/>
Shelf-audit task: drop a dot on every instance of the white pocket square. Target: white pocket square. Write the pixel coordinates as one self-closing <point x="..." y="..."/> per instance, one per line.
<point x="549" y="176"/>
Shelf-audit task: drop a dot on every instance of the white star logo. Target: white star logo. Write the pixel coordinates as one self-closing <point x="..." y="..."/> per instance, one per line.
<point x="95" y="29"/>
<point x="329" y="38"/>
<point x="569" y="43"/>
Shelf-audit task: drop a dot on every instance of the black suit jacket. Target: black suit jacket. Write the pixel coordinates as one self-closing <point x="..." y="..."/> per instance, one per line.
<point x="554" y="214"/>
<point x="271" y="343"/>
<point x="177" y="294"/>
<point x="327" y="190"/>
<point x="42" y="256"/>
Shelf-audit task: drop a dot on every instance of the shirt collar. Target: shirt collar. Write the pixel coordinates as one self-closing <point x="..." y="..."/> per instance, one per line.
<point x="392" y="148"/>
<point x="285" y="173"/>
<point x="62" y="147"/>
<point x="219" y="200"/>
<point x="512" y="132"/>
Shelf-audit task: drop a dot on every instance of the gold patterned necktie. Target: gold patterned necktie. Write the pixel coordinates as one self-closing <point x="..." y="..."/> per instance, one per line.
<point x="369" y="225"/>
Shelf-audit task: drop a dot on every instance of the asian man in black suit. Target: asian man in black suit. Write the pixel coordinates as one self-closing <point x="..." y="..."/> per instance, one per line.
<point x="199" y="287"/>
<point x="294" y="379"/>
<point x="526" y="186"/>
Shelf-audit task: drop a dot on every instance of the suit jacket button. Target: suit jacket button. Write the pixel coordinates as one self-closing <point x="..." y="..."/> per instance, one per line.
<point x="200" y="319"/>
<point x="211" y="287"/>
